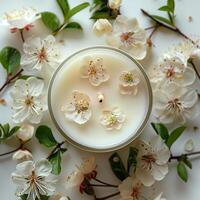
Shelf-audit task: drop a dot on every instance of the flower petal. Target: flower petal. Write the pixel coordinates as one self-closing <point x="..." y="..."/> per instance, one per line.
<point x="43" y="168"/>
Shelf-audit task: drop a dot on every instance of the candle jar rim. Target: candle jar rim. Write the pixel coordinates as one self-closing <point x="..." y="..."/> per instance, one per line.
<point x="140" y="129"/>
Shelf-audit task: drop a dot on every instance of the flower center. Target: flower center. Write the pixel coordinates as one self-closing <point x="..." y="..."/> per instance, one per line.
<point x="29" y="101"/>
<point x="170" y="72"/>
<point x="148" y="160"/>
<point x="82" y="105"/>
<point x="127" y="38"/>
<point x="42" y="55"/>
<point x="128" y="77"/>
<point x="175" y="105"/>
<point x="135" y="192"/>
<point x="112" y="119"/>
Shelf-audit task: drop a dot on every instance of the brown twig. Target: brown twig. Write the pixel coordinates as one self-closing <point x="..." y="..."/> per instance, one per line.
<point x="104" y="183"/>
<point x="10" y="79"/>
<point x="107" y="197"/>
<point x="22" y="34"/>
<point x="172" y="28"/>
<point x="13" y="151"/>
<point x="98" y="185"/>
<point x="57" y="147"/>
<point x="182" y="155"/>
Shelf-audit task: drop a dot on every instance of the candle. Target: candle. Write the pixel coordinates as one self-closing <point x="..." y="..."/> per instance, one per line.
<point x="100" y="99"/>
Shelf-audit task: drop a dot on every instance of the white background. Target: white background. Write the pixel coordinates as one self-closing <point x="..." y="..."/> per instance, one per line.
<point x="172" y="186"/>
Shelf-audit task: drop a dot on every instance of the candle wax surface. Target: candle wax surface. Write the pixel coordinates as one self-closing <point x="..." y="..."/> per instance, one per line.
<point x="92" y="134"/>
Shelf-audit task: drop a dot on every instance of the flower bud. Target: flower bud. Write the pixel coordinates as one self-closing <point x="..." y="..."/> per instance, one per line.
<point x="102" y="26"/>
<point x="25" y="133"/>
<point x="114" y="4"/>
<point x="22" y="155"/>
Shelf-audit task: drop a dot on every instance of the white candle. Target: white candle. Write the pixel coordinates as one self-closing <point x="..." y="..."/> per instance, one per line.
<point x="92" y="134"/>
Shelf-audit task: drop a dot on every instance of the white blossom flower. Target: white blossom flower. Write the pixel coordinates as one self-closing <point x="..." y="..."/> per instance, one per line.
<point x="128" y="36"/>
<point x="22" y="155"/>
<point x="95" y="70"/>
<point x="132" y="189"/>
<point x="152" y="160"/>
<point x="173" y="103"/>
<point x="20" y="19"/>
<point x="41" y="55"/>
<point x="114" y="4"/>
<point x="102" y="26"/>
<point x="34" y="179"/>
<point x="86" y="170"/>
<point x="128" y="82"/>
<point x="79" y="109"/>
<point x="112" y="119"/>
<point x="29" y="101"/>
<point x="25" y="132"/>
<point x="173" y="68"/>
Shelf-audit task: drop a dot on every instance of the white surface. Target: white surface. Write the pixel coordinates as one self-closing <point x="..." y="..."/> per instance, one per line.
<point x="173" y="188"/>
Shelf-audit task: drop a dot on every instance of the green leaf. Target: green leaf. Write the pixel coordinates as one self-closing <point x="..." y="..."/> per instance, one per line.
<point x="55" y="160"/>
<point x="73" y="25"/>
<point x="162" y="19"/>
<point x="5" y="131"/>
<point x="50" y="20"/>
<point x="161" y="130"/>
<point x="132" y="158"/>
<point x="64" y="6"/>
<point x="77" y="9"/>
<point x="100" y="15"/>
<point x="10" y="59"/>
<point x="171" y="5"/>
<point x="24" y="197"/>
<point x="182" y="171"/>
<point x="45" y="136"/>
<point x="42" y="197"/>
<point x="63" y="150"/>
<point x="117" y="167"/>
<point x="87" y="188"/>
<point x="187" y="162"/>
<point x="166" y="9"/>
<point x="175" y="135"/>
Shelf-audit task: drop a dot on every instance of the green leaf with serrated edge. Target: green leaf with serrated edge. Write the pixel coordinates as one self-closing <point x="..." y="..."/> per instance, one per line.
<point x="73" y="25"/>
<point x="50" y="20"/>
<point x="100" y="15"/>
<point x="45" y="136"/>
<point x="161" y="130"/>
<point x="162" y="19"/>
<point x="87" y="188"/>
<point x="171" y="4"/>
<point x="132" y="158"/>
<point x="10" y="59"/>
<point x="55" y="160"/>
<point x="166" y="9"/>
<point x="175" y="135"/>
<point x="117" y="167"/>
<point x="64" y="6"/>
<point x="77" y="9"/>
<point x="182" y="171"/>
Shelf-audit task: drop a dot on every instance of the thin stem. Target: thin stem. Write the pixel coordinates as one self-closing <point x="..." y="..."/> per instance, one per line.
<point x="13" y="151"/>
<point x="98" y="185"/>
<point x="195" y="69"/>
<point x="186" y="154"/>
<point x="107" y="197"/>
<point x="9" y="80"/>
<point x="149" y="28"/>
<point x="104" y="183"/>
<point x="22" y="34"/>
<point x="154" y="30"/>
<point x="172" y="28"/>
<point x="55" y="149"/>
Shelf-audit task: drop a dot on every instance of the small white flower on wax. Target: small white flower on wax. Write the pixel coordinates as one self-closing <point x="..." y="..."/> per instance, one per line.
<point x="128" y="36"/>
<point x="25" y="132"/>
<point x="79" y="109"/>
<point x="128" y="82"/>
<point x="94" y="70"/>
<point x="102" y="26"/>
<point x="175" y="104"/>
<point x="29" y="101"/>
<point x="113" y="119"/>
